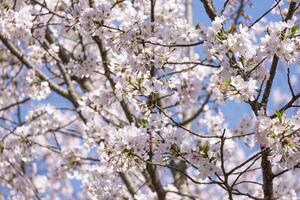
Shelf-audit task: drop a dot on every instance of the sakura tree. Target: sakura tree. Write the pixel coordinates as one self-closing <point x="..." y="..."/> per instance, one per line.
<point x="123" y="99"/>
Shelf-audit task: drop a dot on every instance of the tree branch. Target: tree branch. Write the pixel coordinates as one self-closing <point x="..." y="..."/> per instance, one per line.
<point x="210" y="9"/>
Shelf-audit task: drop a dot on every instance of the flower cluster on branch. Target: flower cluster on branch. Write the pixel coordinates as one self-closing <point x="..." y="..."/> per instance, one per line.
<point x="127" y="99"/>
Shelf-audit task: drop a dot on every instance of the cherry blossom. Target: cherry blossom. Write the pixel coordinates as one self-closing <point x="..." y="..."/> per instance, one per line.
<point x="140" y="100"/>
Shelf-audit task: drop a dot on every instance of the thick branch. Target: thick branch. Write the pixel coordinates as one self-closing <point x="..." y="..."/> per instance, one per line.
<point x="128" y="184"/>
<point x="187" y="121"/>
<point x="107" y="73"/>
<point x="265" y="163"/>
<point x="210" y="9"/>
<point x="270" y="81"/>
<point x="267" y="176"/>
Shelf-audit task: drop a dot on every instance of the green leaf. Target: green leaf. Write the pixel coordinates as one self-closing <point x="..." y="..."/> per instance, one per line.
<point x="231" y="48"/>
<point x="294" y="30"/>
<point x="279" y="114"/>
<point x="143" y="123"/>
<point x="232" y="29"/>
<point x="204" y="150"/>
<point x="272" y="135"/>
<point x="140" y="81"/>
<point x="221" y="35"/>
<point x="1" y="148"/>
<point x="131" y="81"/>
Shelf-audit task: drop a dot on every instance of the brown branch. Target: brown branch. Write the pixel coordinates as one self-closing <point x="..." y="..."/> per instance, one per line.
<point x="107" y="73"/>
<point x="237" y="192"/>
<point x="65" y="58"/>
<point x="14" y="104"/>
<point x="244" y="171"/>
<point x="128" y="184"/>
<point x="263" y="15"/>
<point x="246" y="161"/>
<point x="289" y="82"/>
<point x="24" y="61"/>
<point x="225" y="174"/>
<point x="187" y="121"/>
<point x="267" y="175"/>
<point x="286" y="170"/>
<point x="179" y="170"/>
<point x="224" y="6"/>
<point x="210" y="9"/>
<point x="270" y="82"/>
<point x="288" y="105"/>
<point x="174" y="45"/>
<point x="239" y="12"/>
<point x="182" y="127"/>
<point x="292" y="9"/>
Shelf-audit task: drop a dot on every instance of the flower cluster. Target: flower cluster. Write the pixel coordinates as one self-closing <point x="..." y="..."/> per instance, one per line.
<point x="104" y="184"/>
<point x="234" y="87"/>
<point x="282" y="135"/>
<point x="37" y="89"/>
<point x="125" y="147"/>
<point x="281" y="41"/>
<point x="82" y="67"/>
<point x="16" y="25"/>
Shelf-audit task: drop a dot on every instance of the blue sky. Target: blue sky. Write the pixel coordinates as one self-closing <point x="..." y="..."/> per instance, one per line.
<point x="234" y="111"/>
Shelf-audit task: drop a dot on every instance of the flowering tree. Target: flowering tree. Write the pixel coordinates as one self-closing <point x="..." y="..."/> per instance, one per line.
<point x="109" y="99"/>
